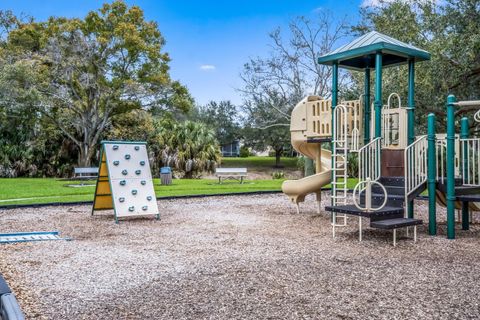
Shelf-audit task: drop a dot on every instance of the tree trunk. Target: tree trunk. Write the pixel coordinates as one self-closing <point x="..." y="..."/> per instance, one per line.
<point x="278" y="154"/>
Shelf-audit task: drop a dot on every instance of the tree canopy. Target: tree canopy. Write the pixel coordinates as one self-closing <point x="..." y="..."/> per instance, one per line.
<point x="79" y="73"/>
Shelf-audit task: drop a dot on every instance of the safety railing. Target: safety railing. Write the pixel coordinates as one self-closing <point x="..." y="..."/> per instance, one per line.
<point x="471" y="161"/>
<point x="415" y="159"/>
<point x="347" y="123"/>
<point x="369" y="165"/>
<point x="441" y="152"/>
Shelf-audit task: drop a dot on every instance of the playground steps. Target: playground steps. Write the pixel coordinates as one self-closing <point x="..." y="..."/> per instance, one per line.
<point x="395" y="187"/>
<point x="392" y="215"/>
<point x="395" y="223"/>
<point x="385" y="213"/>
<point x="462" y="192"/>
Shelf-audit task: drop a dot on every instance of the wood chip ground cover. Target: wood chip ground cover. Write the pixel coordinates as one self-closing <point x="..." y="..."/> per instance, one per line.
<point x="236" y="257"/>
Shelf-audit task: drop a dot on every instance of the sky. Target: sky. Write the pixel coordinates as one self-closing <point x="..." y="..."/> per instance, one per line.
<point x="208" y="41"/>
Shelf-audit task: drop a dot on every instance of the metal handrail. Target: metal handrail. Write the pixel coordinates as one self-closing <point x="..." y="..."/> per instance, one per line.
<point x="369" y="160"/>
<point x="476" y="116"/>
<point x="396" y="95"/>
<point x="415" y="158"/>
<point x="368" y="195"/>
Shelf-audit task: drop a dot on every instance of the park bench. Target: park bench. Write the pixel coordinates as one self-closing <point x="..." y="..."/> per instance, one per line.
<point x="85" y="173"/>
<point x="231" y="173"/>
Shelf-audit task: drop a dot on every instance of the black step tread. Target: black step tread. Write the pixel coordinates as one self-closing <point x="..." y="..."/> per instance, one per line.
<point x="395" y="223"/>
<point x="389" y="196"/>
<point x="392" y="181"/>
<point x="353" y="210"/>
<point x="469" y="197"/>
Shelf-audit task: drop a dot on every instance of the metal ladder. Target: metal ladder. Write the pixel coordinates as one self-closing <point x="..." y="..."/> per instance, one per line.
<point x="339" y="165"/>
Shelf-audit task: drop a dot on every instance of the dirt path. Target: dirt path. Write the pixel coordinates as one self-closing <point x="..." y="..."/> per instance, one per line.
<point x="242" y="257"/>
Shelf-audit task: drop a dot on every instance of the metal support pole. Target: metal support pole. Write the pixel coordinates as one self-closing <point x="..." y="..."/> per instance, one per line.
<point x="431" y="176"/>
<point x="464" y="135"/>
<point x="366" y="105"/>
<point x="451" y="167"/>
<point x="334" y="104"/>
<point x="378" y="94"/>
<point x="411" y="115"/>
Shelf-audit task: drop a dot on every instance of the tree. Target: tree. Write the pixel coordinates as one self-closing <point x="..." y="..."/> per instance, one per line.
<point x="81" y="73"/>
<point x="189" y="147"/>
<point x="223" y="117"/>
<point x="449" y="31"/>
<point x="273" y="85"/>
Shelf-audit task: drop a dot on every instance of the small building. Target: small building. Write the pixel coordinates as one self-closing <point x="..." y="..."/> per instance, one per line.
<point x="231" y="149"/>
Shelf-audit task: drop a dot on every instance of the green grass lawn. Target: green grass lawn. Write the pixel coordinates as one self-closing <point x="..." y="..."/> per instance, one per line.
<point x="49" y="190"/>
<point x="258" y="162"/>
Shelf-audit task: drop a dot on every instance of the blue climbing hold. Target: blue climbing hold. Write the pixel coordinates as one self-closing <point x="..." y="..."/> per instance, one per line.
<point x="137" y="172"/>
<point x="116" y="163"/>
<point x="131" y="208"/>
<point x="144" y="208"/>
<point x="142" y="163"/>
<point x="137" y="148"/>
<point x="143" y="182"/>
<point x="121" y="199"/>
<point x="127" y="156"/>
<point x="149" y="198"/>
<point x="123" y="182"/>
<point x="115" y="147"/>
<point x="134" y="192"/>
<point x="124" y="172"/>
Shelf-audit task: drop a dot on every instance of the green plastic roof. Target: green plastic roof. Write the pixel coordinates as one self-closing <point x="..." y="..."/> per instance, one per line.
<point x="360" y="53"/>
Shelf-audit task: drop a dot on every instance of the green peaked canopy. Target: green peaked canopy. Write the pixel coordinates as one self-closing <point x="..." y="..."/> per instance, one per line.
<point x="360" y="53"/>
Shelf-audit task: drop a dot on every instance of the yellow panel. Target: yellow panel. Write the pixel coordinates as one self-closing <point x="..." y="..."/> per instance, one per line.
<point x="103" y="202"/>
<point x="103" y="187"/>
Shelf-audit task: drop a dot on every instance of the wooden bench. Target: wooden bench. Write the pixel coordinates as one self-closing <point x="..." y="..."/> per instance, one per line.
<point x="231" y="173"/>
<point x="85" y="173"/>
<point x="395" y="224"/>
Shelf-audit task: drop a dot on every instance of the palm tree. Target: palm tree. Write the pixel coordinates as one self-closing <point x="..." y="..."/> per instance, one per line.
<point x="189" y="147"/>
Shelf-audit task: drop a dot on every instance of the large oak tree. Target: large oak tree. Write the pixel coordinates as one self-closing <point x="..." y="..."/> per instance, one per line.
<point x="79" y="73"/>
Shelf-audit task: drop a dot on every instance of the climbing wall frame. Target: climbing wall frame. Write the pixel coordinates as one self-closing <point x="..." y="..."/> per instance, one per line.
<point x="124" y="181"/>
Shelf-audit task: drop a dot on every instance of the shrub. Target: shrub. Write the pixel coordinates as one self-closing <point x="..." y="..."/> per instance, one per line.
<point x="244" y="152"/>
<point x="278" y="175"/>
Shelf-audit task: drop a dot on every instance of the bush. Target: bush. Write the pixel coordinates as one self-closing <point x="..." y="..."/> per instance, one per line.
<point x="278" y="175"/>
<point x="244" y="152"/>
<point x="301" y="164"/>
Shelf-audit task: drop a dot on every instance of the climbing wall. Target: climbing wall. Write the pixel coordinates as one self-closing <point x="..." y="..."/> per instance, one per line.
<point x="125" y="180"/>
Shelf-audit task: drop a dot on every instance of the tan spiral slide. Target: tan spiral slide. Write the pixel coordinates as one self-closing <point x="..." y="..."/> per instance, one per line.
<point x="296" y="190"/>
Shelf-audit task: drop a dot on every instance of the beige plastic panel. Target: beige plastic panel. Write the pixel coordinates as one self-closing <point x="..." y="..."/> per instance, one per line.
<point x="319" y="118"/>
<point x="313" y="117"/>
<point x="133" y="176"/>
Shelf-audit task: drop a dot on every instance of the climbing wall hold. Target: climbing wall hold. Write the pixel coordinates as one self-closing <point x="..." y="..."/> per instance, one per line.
<point x="143" y="182"/>
<point x="149" y="198"/>
<point x="116" y="163"/>
<point x="124" y="172"/>
<point x="134" y="192"/>
<point x="131" y="208"/>
<point x="142" y="163"/>
<point x="137" y="148"/>
<point x="122" y="199"/>
<point x="137" y="172"/>
<point x="115" y="147"/>
<point x="127" y="156"/>
<point x="123" y="182"/>
<point x="144" y="208"/>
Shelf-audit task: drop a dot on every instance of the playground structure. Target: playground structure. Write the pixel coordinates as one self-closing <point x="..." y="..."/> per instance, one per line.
<point x="125" y="181"/>
<point x="395" y="165"/>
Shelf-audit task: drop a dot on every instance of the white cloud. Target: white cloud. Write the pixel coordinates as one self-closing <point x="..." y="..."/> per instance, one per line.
<point x="207" y="67"/>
